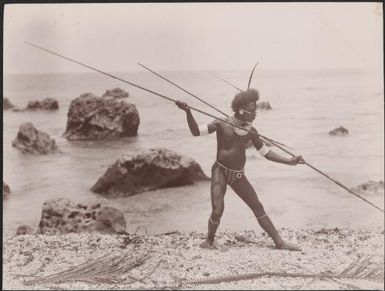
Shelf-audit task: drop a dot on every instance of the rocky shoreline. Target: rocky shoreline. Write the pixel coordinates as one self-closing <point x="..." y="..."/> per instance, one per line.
<point x="175" y="261"/>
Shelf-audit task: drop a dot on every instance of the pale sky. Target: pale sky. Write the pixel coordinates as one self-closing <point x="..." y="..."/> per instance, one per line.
<point x="193" y="36"/>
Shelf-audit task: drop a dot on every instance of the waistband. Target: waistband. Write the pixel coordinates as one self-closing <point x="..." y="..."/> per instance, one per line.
<point x="237" y="171"/>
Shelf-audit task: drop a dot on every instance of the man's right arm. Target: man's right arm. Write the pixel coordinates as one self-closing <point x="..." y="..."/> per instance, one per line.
<point x="192" y="124"/>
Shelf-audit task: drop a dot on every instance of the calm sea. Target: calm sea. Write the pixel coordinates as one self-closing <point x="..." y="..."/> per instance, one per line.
<point x="306" y="106"/>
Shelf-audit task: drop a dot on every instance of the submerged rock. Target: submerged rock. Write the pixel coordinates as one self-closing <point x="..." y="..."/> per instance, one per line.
<point x="64" y="216"/>
<point x="6" y="190"/>
<point x="370" y="187"/>
<point x="7" y="104"/>
<point x="96" y="118"/>
<point x="45" y="104"/>
<point x="29" y="140"/>
<point x="116" y="93"/>
<point x="148" y="170"/>
<point x="339" y="131"/>
<point x="264" y="106"/>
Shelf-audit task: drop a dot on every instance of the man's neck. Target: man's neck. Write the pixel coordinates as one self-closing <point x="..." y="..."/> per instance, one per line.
<point x="240" y="119"/>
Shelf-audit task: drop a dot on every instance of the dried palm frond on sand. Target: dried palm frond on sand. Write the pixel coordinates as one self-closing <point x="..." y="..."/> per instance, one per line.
<point x="114" y="269"/>
<point x="362" y="268"/>
<point x="107" y="269"/>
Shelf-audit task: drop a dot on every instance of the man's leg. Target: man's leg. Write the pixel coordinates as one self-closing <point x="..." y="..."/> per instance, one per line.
<point x="246" y="192"/>
<point x="218" y="190"/>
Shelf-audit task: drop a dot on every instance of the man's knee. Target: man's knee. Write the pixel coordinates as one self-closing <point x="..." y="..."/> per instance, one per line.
<point x="216" y="214"/>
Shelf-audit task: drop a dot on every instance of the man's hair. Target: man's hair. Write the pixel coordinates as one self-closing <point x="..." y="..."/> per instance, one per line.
<point x="244" y="97"/>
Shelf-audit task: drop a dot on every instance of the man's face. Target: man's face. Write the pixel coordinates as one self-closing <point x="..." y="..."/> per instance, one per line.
<point x="248" y="111"/>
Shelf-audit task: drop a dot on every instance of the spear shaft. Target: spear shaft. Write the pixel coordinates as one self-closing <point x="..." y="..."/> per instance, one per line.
<point x="176" y="85"/>
<point x="228" y="83"/>
<point x="184" y="90"/>
<point x="200" y="111"/>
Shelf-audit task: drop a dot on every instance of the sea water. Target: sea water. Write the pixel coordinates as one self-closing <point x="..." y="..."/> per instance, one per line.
<point x="306" y="106"/>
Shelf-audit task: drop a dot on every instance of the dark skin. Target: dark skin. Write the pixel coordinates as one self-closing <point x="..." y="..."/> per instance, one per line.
<point x="231" y="152"/>
<point x="231" y="148"/>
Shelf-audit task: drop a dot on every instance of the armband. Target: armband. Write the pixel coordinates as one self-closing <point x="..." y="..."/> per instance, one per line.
<point x="263" y="150"/>
<point x="203" y="129"/>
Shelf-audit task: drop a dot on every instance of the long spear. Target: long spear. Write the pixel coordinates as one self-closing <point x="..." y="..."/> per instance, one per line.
<point x="160" y="76"/>
<point x="270" y="140"/>
<point x="228" y="83"/>
<point x="184" y="90"/>
<point x="198" y="110"/>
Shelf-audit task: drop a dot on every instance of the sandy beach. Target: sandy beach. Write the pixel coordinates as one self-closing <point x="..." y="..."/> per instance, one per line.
<point x="175" y="261"/>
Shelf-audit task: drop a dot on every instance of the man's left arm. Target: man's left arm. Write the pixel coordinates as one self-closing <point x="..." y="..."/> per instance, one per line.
<point x="271" y="155"/>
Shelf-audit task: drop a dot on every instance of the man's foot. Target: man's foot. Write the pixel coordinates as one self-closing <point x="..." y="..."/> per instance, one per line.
<point x="288" y="246"/>
<point x="207" y="245"/>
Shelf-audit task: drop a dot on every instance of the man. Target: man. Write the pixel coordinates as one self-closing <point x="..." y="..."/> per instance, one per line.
<point x="231" y="158"/>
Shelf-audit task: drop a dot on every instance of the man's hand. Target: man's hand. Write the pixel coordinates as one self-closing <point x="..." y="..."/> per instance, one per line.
<point x="182" y="105"/>
<point x="296" y="160"/>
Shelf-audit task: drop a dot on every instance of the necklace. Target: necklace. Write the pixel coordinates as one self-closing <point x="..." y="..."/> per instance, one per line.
<point x="244" y="124"/>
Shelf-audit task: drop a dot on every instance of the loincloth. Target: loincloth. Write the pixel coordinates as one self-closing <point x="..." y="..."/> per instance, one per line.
<point x="230" y="175"/>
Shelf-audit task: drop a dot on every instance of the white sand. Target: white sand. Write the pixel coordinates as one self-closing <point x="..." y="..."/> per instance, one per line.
<point x="177" y="258"/>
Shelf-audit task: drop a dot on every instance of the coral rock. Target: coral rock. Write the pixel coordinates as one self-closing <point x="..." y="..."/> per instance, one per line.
<point x="264" y="106"/>
<point x="116" y="93"/>
<point x="339" y="131"/>
<point x="29" y="140"/>
<point x="370" y="187"/>
<point x="45" y="104"/>
<point x="148" y="170"/>
<point x="97" y="118"/>
<point x="24" y="229"/>
<point x="64" y="216"/>
<point x="7" y="104"/>
<point x="6" y="190"/>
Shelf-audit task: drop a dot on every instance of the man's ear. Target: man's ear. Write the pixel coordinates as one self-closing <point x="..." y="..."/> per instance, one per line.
<point x="240" y="111"/>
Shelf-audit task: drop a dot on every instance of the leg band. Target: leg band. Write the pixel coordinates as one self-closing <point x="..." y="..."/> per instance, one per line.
<point x="262" y="216"/>
<point x="213" y="222"/>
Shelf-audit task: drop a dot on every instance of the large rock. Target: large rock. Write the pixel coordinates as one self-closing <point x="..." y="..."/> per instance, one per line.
<point x="371" y="187"/>
<point x="6" y="190"/>
<point x="64" y="216"/>
<point x="149" y="170"/>
<point x="45" y="104"/>
<point x="116" y="93"/>
<point x="264" y="106"/>
<point x="29" y="140"/>
<point x="7" y="104"/>
<point x="339" y="131"/>
<point x="96" y="118"/>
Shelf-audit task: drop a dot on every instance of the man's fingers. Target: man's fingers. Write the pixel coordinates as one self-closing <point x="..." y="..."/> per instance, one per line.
<point x="301" y="160"/>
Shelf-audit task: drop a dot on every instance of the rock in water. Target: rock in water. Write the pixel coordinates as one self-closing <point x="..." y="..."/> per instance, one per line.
<point x="7" y="104"/>
<point x="45" y="104"/>
<point x="6" y="190"/>
<point x="264" y="106"/>
<point x="370" y="187"/>
<point x="29" y="140"/>
<point x="64" y="216"/>
<point x="116" y="93"/>
<point x="339" y="131"/>
<point x="24" y="229"/>
<point x="96" y="118"/>
<point x="148" y="170"/>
